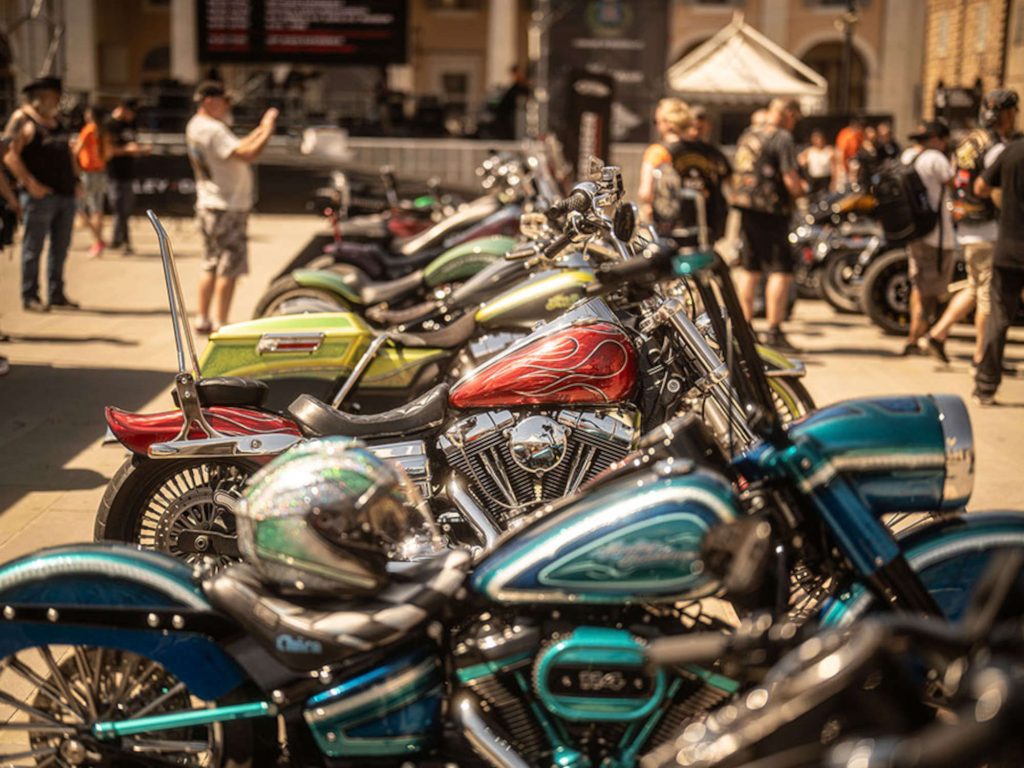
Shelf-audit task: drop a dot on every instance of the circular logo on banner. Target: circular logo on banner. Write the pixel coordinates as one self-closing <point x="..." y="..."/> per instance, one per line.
<point x="608" y="18"/>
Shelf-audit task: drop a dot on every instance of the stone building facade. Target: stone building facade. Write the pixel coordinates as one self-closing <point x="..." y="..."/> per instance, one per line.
<point x="965" y="49"/>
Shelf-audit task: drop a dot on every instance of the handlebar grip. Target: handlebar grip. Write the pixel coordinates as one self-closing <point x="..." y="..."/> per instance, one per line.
<point x="700" y="648"/>
<point x="578" y="201"/>
<point x="656" y="263"/>
<point x="556" y="246"/>
<point x="524" y="251"/>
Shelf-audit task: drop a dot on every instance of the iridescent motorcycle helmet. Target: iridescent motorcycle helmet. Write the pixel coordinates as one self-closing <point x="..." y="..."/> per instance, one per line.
<point x="326" y="517"/>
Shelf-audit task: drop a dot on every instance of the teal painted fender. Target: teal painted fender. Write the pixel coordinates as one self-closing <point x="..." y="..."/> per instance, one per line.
<point x="103" y="577"/>
<point x="326" y="280"/>
<point x="465" y="260"/>
<point x="949" y="555"/>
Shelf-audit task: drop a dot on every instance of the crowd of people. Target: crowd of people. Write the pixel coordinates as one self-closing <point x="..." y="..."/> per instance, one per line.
<point x="974" y="194"/>
<point x="62" y="174"/>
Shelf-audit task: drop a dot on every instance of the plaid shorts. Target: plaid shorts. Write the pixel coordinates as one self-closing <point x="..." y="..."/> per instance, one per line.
<point x="225" y="241"/>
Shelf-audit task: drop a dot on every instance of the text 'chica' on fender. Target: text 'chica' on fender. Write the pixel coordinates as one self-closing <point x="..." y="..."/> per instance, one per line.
<point x="581" y="364"/>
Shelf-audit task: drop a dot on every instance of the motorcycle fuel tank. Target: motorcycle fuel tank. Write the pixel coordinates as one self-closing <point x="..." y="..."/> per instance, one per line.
<point x="635" y="540"/>
<point x="593" y="363"/>
<point x="544" y="296"/>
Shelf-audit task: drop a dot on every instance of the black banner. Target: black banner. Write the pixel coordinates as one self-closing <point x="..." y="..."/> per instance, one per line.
<point x="590" y="115"/>
<point x="320" y="31"/>
<point x="625" y="39"/>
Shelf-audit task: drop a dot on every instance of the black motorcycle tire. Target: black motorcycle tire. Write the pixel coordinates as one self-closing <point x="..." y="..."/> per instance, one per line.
<point x="287" y="288"/>
<point x="885" y="297"/>
<point x="836" y="289"/>
<point x="133" y="487"/>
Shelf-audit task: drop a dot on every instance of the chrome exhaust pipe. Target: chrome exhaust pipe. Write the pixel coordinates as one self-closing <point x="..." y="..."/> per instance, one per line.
<point x="466" y="504"/>
<point x="485" y="742"/>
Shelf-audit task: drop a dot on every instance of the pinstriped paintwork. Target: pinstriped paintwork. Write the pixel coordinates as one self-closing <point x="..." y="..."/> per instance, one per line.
<point x="638" y="539"/>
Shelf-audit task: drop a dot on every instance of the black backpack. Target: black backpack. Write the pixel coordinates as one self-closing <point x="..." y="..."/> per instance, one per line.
<point x="903" y="208"/>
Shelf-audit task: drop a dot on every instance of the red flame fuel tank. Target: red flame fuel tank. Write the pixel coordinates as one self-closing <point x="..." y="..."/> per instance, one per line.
<point x="593" y="364"/>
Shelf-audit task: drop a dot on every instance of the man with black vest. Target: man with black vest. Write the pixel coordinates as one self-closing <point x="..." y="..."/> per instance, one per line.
<point x="41" y="159"/>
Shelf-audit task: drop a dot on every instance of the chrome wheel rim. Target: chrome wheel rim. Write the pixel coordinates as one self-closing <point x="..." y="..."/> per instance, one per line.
<point x="52" y="695"/>
<point x="182" y="519"/>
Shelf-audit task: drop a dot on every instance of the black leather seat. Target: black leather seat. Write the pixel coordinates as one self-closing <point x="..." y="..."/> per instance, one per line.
<point x="452" y="336"/>
<point x="306" y="634"/>
<point x="391" y="290"/>
<point x="318" y="419"/>
<point x="229" y="390"/>
<point x="392" y="317"/>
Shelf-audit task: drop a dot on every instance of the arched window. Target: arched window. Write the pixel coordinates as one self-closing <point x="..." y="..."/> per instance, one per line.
<point x="827" y="60"/>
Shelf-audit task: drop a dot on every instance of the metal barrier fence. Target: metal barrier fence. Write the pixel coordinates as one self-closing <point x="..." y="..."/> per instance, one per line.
<point x="455" y="160"/>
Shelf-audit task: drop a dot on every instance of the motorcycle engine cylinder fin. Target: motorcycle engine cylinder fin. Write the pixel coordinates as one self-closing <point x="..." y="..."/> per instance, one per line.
<point x="598" y="440"/>
<point x="694" y="697"/>
<point x="491" y="656"/>
<point x="411" y="456"/>
<point x="488" y="449"/>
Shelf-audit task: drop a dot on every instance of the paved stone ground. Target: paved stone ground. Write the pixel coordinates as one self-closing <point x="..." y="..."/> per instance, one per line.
<point x="118" y="350"/>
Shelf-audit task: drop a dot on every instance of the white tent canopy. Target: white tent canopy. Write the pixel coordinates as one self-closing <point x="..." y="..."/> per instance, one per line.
<point x="739" y="65"/>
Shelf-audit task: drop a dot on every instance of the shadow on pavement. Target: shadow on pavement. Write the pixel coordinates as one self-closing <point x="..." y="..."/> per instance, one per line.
<point x="122" y="312"/>
<point x="49" y="415"/>
<point x="33" y="339"/>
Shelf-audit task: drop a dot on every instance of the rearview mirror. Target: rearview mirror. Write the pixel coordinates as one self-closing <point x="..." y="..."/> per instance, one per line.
<point x="624" y="223"/>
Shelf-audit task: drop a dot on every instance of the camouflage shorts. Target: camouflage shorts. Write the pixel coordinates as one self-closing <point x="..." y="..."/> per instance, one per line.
<point x="225" y="241"/>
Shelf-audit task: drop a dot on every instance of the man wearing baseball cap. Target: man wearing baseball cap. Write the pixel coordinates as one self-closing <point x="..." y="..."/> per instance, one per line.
<point x="41" y="159"/>
<point x="931" y="257"/>
<point x="224" y="195"/>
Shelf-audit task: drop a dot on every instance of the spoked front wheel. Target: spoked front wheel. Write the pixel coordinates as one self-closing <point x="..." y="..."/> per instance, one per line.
<point x="52" y="696"/>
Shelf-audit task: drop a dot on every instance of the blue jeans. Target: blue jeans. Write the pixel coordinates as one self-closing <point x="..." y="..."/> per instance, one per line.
<point x="122" y="202"/>
<point x="52" y="216"/>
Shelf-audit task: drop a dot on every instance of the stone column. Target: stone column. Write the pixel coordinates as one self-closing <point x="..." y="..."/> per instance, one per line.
<point x="502" y="39"/>
<point x="82" y="71"/>
<point x="184" y="42"/>
<point x="901" y="68"/>
<point x="774" y="21"/>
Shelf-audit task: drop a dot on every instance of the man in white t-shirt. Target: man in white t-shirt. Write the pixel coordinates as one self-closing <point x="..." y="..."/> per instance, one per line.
<point x="977" y="225"/>
<point x="931" y="257"/>
<point x="224" y="195"/>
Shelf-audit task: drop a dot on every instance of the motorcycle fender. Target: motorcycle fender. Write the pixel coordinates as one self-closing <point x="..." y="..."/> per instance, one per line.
<point x="927" y="546"/>
<point x="777" y="365"/>
<point x="139" y="432"/>
<point x="326" y="280"/>
<point x="464" y="261"/>
<point x="114" y="596"/>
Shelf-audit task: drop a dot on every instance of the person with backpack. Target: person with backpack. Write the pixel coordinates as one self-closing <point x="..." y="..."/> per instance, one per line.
<point x="975" y="218"/>
<point x="683" y="160"/>
<point x="766" y="184"/>
<point x="924" y="177"/>
<point x="1006" y="174"/>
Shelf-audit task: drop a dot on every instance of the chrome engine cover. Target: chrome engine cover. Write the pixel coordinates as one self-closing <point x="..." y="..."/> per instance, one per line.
<point x="411" y="456"/>
<point x="513" y="462"/>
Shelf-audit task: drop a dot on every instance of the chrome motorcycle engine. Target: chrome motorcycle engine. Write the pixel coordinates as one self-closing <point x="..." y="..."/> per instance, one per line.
<point x="513" y="462"/>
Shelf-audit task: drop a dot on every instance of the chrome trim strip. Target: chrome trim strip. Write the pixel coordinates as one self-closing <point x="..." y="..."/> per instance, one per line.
<point x="958" y="441"/>
<point x="245" y="445"/>
<point x="387" y="687"/>
<point x="306" y="341"/>
<point x="485" y="742"/>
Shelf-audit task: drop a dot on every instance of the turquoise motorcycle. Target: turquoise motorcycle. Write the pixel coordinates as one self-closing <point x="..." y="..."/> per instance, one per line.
<point x="530" y="651"/>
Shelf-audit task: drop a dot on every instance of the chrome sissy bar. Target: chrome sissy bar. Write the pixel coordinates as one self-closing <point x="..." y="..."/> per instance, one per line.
<point x="188" y="362"/>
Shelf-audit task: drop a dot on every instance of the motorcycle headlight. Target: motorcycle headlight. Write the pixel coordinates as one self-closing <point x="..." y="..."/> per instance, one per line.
<point x="958" y="442"/>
